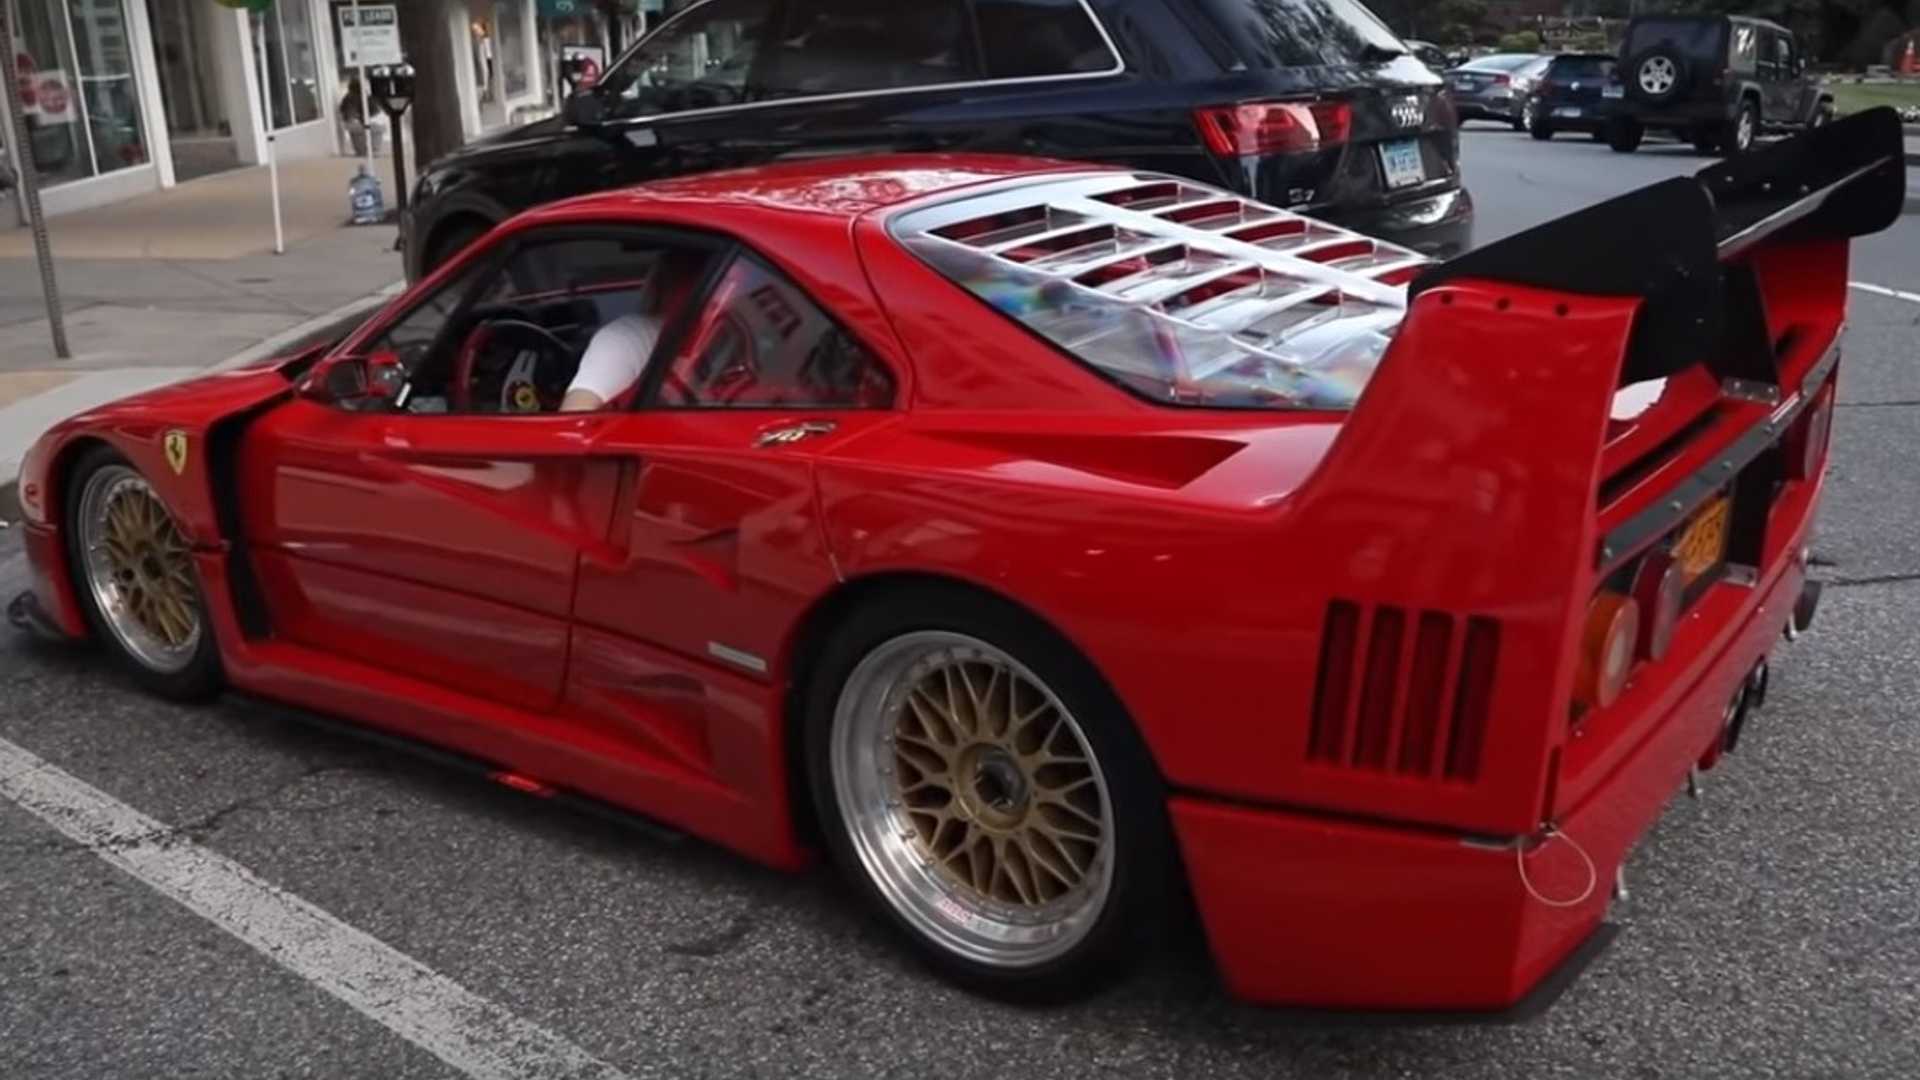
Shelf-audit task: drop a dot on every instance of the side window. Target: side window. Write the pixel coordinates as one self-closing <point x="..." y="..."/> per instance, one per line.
<point x="412" y="337"/>
<point x="1023" y="38"/>
<point x="1783" y="55"/>
<point x="699" y="61"/>
<point x="574" y="312"/>
<point x="1744" y="55"/>
<point x="843" y="46"/>
<point x="761" y="343"/>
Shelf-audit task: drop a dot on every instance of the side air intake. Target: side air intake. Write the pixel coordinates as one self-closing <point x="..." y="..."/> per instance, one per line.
<point x="1401" y="693"/>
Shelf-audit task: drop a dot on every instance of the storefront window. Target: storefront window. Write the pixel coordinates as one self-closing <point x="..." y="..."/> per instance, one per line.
<point x="510" y="19"/>
<point x="77" y="86"/>
<point x="290" y="78"/>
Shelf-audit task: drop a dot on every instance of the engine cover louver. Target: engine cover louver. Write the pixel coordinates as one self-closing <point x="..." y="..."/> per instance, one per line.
<point x="1401" y="693"/>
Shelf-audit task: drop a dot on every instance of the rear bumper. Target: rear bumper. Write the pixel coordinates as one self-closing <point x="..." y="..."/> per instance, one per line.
<point x="1440" y="224"/>
<point x="1306" y="909"/>
<point x="1678" y="117"/>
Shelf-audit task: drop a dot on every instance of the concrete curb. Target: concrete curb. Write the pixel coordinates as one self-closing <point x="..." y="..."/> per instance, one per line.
<point x="289" y="340"/>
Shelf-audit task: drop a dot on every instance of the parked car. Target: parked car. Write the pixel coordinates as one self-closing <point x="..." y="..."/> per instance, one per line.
<point x="1568" y="96"/>
<point x="929" y="458"/>
<point x="1493" y="87"/>
<point x="1430" y="54"/>
<point x="1718" y="81"/>
<point x="1309" y="104"/>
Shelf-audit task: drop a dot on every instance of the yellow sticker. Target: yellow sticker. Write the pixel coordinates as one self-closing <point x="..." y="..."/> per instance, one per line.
<point x="175" y="444"/>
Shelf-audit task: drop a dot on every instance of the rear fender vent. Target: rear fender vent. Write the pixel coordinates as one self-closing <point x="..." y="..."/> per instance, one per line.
<point x="1401" y="693"/>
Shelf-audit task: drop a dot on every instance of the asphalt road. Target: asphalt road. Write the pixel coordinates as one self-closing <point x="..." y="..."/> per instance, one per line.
<point x="1773" y="927"/>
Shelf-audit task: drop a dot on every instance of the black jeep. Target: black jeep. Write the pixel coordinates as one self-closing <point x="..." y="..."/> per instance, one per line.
<point x="1716" y="81"/>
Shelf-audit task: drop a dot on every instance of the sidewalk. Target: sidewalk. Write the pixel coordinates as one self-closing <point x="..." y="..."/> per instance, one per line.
<point x="164" y="285"/>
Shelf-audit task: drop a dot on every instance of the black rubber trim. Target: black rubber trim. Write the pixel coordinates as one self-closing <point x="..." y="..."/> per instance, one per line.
<point x="223" y="480"/>
<point x="459" y="762"/>
<point x="1689" y="494"/>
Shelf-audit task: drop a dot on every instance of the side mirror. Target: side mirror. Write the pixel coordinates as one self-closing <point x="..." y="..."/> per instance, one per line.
<point x="356" y="382"/>
<point x="585" y="110"/>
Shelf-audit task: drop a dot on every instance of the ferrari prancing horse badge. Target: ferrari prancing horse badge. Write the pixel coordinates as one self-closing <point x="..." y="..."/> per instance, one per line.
<point x="175" y="444"/>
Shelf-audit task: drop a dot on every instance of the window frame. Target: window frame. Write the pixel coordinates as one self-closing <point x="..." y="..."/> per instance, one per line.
<point x="491" y="263"/>
<point x="776" y="11"/>
<point x="648" y="399"/>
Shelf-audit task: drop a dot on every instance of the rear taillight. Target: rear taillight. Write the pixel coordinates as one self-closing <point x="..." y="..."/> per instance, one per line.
<point x="1660" y="589"/>
<point x="1501" y="80"/>
<point x="1809" y="445"/>
<point x="1607" y="648"/>
<point x="1274" y="127"/>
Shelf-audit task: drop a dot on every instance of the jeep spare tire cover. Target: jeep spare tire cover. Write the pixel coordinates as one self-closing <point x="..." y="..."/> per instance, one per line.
<point x="1657" y="76"/>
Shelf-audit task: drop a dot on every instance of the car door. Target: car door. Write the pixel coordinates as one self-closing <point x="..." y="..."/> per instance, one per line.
<point x="437" y="531"/>
<point x="720" y="545"/>
<point x="674" y="105"/>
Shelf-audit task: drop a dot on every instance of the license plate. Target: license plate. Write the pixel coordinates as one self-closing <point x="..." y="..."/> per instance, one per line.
<point x="1401" y="161"/>
<point x="1703" y="541"/>
<point x="1569" y="111"/>
<point x="1463" y="83"/>
<point x="1613" y="92"/>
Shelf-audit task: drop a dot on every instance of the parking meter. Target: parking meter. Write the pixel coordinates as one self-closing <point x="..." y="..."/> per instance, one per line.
<point x="391" y="87"/>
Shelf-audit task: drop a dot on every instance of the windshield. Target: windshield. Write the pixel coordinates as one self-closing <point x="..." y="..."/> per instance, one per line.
<point x="1305" y="33"/>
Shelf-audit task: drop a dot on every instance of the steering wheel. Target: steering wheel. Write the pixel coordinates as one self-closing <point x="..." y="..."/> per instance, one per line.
<point x="487" y="334"/>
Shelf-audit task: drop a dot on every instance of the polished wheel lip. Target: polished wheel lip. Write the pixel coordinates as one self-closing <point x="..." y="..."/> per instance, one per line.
<point x="1743" y="137"/>
<point x="957" y="918"/>
<point x="138" y="570"/>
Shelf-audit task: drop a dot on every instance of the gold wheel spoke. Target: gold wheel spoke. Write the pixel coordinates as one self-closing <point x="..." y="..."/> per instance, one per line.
<point x="942" y="734"/>
<point x="1015" y="868"/>
<point x="1047" y="856"/>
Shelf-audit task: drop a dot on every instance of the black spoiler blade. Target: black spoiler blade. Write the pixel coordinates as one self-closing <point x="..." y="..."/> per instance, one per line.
<point x="1667" y="243"/>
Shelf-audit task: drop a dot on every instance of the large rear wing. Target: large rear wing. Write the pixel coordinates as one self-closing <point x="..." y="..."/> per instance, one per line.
<point x="1487" y="484"/>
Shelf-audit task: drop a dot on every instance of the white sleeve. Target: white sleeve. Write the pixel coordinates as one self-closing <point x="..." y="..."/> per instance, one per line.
<point x="617" y="356"/>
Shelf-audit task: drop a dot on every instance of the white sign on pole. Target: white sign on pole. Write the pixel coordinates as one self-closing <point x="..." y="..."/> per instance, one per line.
<point x="370" y="34"/>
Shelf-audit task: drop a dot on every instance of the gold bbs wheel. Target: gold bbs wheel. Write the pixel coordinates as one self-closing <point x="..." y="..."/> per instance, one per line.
<point x="139" y="571"/>
<point x="973" y="799"/>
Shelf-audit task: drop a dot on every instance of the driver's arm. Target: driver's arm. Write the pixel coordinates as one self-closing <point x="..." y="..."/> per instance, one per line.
<point x="613" y="362"/>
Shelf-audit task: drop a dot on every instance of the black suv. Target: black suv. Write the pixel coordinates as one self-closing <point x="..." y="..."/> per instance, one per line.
<point x="1718" y="81"/>
<point x="1309" y="104"/>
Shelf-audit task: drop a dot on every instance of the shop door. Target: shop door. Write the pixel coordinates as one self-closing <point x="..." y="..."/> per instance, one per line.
<point x="197" y="124"/>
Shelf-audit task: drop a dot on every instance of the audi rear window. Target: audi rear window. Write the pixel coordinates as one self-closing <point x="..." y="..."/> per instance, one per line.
<point x="1025" y="38"/>
<point x="1696" y="38"/>
<point x="1304" y="33"/>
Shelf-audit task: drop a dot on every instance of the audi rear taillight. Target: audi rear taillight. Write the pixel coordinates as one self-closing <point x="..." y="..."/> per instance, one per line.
<point x="1275" y="127"/>
<point x="1502" y="80"/>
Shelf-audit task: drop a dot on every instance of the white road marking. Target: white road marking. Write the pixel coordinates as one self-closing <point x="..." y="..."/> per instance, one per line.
<point x="468" y="1032"/>
<point x="1882" y="290"/>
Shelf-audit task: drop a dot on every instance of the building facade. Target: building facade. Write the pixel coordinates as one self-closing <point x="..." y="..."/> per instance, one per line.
<point x="124" y="97"/>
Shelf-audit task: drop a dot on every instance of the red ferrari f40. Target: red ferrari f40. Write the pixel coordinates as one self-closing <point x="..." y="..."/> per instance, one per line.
<point x="1053" y="546"/>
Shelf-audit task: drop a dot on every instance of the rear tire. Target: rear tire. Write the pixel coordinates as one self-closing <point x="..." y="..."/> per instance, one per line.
<point x="928" y="782"/>
<point x="136" y="581"/>
<point x="1624" y="136"/>
<point x="1740" y="131"/>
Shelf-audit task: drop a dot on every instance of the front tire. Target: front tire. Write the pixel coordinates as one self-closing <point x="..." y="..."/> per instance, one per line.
<point x="1624" y="136"/>
<point x="136" y="580"/>
<point x="977" y="780"/>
